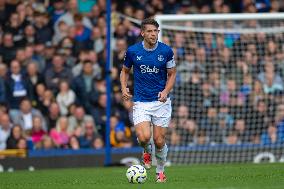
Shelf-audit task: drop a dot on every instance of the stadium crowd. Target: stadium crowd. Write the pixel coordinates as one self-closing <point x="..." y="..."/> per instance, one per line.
<point x="52" y="75"/>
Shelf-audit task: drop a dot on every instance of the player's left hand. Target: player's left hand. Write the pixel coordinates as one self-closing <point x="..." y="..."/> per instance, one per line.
<point x="162" y="96"/>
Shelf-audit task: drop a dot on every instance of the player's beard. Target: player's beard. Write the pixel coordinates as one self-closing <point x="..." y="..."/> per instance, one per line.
<point x="152" y="41"/>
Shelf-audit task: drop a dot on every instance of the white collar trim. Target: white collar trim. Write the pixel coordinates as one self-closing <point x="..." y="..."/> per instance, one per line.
<point x="156" y="45"/>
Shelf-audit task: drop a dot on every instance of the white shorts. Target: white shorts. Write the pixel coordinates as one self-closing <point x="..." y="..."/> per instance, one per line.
<point x="159" y="113"/>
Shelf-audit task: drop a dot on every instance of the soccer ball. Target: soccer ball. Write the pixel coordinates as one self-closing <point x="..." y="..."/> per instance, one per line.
<point x="136" y="174"/>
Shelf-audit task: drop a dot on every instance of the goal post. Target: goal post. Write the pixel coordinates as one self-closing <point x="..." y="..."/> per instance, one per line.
<point x="214" y="17"/>
<point x="228" y="102"/>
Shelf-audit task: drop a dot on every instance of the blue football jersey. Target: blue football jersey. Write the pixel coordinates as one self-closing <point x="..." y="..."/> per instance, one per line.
<point x="149" y="69"/>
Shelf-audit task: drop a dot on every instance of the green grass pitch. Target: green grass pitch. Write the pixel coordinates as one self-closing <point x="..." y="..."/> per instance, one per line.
<point x="228" y="176"/>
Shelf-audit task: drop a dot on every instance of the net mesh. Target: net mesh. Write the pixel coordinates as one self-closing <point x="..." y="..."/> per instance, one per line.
<point x="228" y="103"/>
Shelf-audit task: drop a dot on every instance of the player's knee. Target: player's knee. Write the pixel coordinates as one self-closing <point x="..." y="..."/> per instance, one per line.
<point x="159" y="142"/>
<point x="143" y="138"/>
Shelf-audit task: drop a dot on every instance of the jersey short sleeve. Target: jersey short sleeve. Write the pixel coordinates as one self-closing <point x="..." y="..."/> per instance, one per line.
<point x="128" y="59"/>
<point x="171" y="59"/>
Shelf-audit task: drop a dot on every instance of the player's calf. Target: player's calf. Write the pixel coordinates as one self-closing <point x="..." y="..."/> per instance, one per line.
<point x="147" y="160"/>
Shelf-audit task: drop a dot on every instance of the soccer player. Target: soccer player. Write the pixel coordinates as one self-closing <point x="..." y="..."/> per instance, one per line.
<point x="154" y="77"/>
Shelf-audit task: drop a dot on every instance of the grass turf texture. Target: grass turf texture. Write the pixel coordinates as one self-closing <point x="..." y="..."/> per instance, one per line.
<point x="236" y="176"/>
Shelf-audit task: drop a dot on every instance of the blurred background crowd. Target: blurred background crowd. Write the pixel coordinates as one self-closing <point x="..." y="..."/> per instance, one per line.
<point x="52" y="75"/>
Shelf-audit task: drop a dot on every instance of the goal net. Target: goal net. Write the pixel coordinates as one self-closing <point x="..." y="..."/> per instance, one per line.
<point x="228" y="103"/>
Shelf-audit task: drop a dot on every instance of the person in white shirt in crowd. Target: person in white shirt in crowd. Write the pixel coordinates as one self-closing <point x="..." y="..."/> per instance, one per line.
<point x="79" y="118"/>
<point x="65" y="97"/>
<point x="5" y="129"/>
<point x="24" y="116"/>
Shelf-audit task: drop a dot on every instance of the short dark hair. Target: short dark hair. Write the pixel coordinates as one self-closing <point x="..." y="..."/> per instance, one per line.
<point x="149" y="21"/>
<point x="78" y="17"/>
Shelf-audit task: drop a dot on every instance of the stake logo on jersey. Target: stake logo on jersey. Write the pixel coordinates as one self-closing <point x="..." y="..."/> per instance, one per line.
<point x="147" y="69"/>
<point x="150" y="69"/>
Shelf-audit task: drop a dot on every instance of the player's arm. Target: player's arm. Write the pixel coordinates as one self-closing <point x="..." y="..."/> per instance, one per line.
<point x="170" y="84"/>
<point x="124" y="75"/>
<point x="171" y="71"/>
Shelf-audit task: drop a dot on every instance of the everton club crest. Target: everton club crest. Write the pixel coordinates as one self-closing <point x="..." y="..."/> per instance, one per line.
<point x="160" y="57"/>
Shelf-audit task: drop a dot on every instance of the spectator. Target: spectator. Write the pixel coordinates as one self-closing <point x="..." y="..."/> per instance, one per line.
<point x="72" y="9"/>
<point x="61" y="33"/>
<point x="57" y="11"/>
<point x="208" y="98"/>
<point x="17" y="86"/>
<point x="202" y="138"/>
<point x="15" y="28"/>
<point x="29" y="55"/>
<point x="56" y="73"/>
<point x="25" y="115"/>
<point x="262" y="5"/>
<point x="120" y="135"/>
<point x="39" y="96"/>
<point x="2" y="90"/>
<point x="23" y="14"/>
<point x="74" y="143"/>
<point x="66" y="46"/>
<point x="242" y="131"/>
<point x="90" y="134"/>
<point x="5" y="129"/>
<point x="34" y="77"/>
<point x="98" y="143"/>
<point x="3" y="13"/>
<point x="183" y="129"/>
<point x="126" y="112"/>
<point x="83" y="86"/>
<point x="279" y="119"/>
<point x="48" y="98"/>
<point x="83" y="34"/>
<point x="91" y="57"/>
<point x="3" y="70"/>
<point x="257" y="121"/>
<point x="275" y="6"/>
<point x="47" y="143"/>
<point x="272" y="136"/>
<point x="97" y="42"/>
<point x="43" y="31"/>
<point x="15" y="136"/>
<point x="119" y="53"/>
<point x="232" y="138"/>
<point x="98" y="113"/>
<point x="65" y="97"/>
<point x="227" y="95"/>
<point x="185" y="68"/>
<point x="210" y="124"/>
<point x="257" y="93"/>
<point x="79" y="118"/>
<point x="246" y="87"/>
<point x="60" y="135"/>
<point x="22" y="144"/>
<point x="37" y="132"/>
<point x="52" y="116"/>
<point x="83" y="57"/>
<point x="97" y="70"/>
<point x="29" y="35"/>
<point x="21" y="56"/>
<point x="225" y="115"/>
<point x="271" y="81"/>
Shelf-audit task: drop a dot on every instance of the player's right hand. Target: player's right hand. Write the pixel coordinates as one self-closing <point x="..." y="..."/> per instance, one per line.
<point x="126" y="94"/>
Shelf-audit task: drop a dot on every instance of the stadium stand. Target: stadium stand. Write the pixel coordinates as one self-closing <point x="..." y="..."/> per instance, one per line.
<point x="52" y="57"/>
